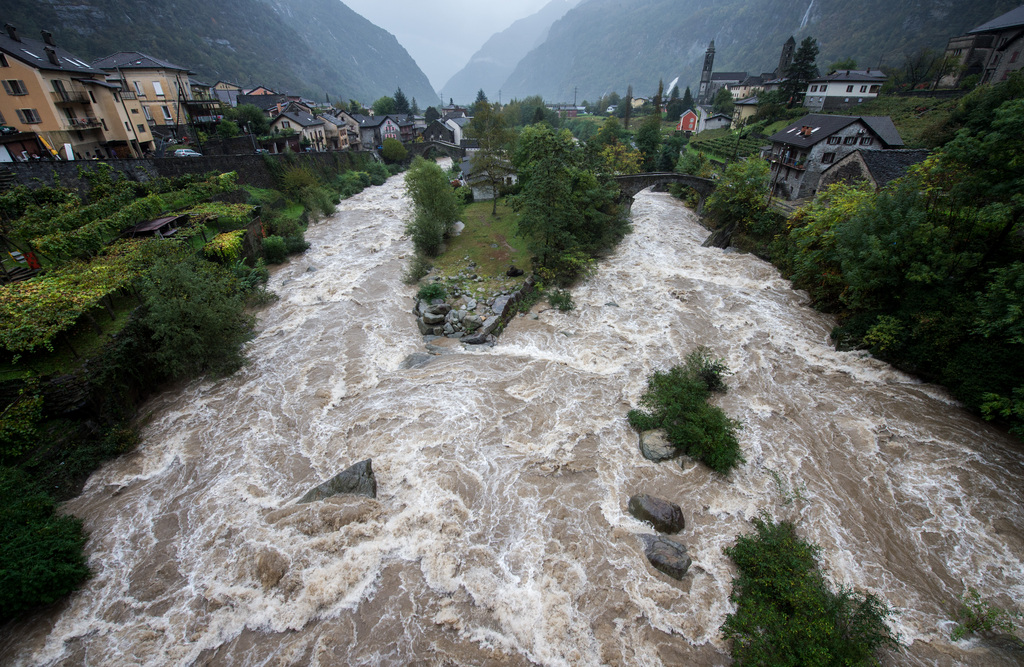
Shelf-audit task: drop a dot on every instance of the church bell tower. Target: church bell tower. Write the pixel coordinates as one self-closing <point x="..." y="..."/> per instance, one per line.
<point x="704" y="92"/>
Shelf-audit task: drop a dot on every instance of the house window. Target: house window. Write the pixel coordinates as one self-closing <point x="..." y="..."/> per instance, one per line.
<point x="15" y="87"/>
<point x="814" y="89"/>
<point x="849" y="89"/>
<point x="135" y="111"/>
<point x="2" y="121"/>
<point x="29" y="116"/>
<point x="167" y="112"/>
<point x="828" y="158"/>
<point x="92" y="97"/>
<point x="142" y="128"/>
<point x="3" y="61"/>
<point x="158" y="88"/>
<point x="145" y="110"/>
<point x="103" y="123"/>
<point x="863" y="89"/>
<point x="834" y="140"/>
<point x="875" y="89"/>
<point x="849" y="141"/>
<point x="285" y="124"/>
<point x="1013" y="58"/>
<point x="127" y="126"/>
<point x="865" y="141"/>
<point x="138" y="89"/>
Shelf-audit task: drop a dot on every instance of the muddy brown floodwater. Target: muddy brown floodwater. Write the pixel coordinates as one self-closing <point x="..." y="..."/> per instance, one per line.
<point x="500" y="534"/>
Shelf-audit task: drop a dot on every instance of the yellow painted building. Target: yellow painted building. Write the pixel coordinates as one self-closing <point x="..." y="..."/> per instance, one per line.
<point x="68" y="104"/>
<point x="162" y="88"/>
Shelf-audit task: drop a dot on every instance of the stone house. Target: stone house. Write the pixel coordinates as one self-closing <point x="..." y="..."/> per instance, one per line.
<point x="58" y="102"/>
<point x="438" y="131"/>
<point x="992" y="51"/>
<point x="373" y="130"/>
<point x="803" y="150"/>
<point x="877" y="167"/>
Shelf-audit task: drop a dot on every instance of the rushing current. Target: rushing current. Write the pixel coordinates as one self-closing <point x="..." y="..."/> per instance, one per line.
<point x="500" y="534"/>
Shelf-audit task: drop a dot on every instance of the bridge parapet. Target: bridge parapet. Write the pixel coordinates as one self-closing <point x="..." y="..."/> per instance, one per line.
<point x="630" y="186"/>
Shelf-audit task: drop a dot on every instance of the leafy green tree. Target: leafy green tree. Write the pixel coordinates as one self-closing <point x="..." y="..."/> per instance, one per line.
<point x="227" y="129"/>
<point x="196" y="315"/>
<point x="611" y="133"/>
<point x="674" y="94"/>
<point x="648" y="140"/>
<point x="431" y="114"/>
<point x="251" y="117"/>
<point x="481" y="97"/>
<point x="687" y="99"/>
<point x="742" y="194"/>
<point x="435" y="206"/>
<point x="384" y="106"/>
<point x="393" y="151"/>
<point x="658" y="98"/>
<point x="627" y="107"/>
<point x="843" y="64"/>
<point x="41" y="556"/>
<point x="800" y="71"/>
<point x="401" y="103"/>
<point x="568" y="209"/>
<point x="723" y="102"/>
<point x="494" y="137"/>
<point x="414" y="108"/>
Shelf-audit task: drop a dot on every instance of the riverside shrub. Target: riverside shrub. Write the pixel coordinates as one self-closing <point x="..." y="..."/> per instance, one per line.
<point x="788" y="614"/>
<point x="676" y="400"/>
<point x="41" y="557"/>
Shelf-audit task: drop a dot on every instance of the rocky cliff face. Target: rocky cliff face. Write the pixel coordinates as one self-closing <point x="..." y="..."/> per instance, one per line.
<point x="606" y="45"/>
<point x="309" y="47"/>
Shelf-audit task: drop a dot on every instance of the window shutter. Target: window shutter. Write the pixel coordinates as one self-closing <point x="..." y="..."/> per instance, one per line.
<point x="7" y="87"/>
<point x="21" y="112"/>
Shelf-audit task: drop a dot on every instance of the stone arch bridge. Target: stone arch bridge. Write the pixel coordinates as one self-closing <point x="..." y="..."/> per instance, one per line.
<point x="454" y="151"/>
<point x="630" y="186"/>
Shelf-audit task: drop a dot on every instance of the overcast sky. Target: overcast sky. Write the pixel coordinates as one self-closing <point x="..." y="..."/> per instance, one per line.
<point x="442" y="36"/>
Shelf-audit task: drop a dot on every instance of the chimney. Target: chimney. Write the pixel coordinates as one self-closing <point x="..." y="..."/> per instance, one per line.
<point x="12" y="32"/>
<point x="805" y="130"/>
<point x="48" y="37"/>
<point x="51" y="55"/>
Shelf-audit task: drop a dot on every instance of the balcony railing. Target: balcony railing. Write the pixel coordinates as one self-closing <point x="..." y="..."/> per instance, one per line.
<point x="127" y="94"/>
<point x="788" y="162"/>
<point x="83" y="124"/>
<point x="74" y="96"/>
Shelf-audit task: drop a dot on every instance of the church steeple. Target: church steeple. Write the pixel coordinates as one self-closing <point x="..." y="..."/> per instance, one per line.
<point x="786" y="58"/>
<point x="704" y="92"/>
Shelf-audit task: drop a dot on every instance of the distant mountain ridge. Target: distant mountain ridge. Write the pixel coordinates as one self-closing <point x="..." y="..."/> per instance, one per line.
<point x="606" y="45"/>
<point x="314" y="48"/>
<point x="488" y="68"/>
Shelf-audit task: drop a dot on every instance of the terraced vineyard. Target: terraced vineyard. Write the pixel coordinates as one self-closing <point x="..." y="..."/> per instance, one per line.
<point x="726" y="145"/>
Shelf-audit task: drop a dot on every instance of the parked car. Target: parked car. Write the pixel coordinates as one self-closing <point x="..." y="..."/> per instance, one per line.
<point x="187" y="152"/>
<point x="262" y="151"/>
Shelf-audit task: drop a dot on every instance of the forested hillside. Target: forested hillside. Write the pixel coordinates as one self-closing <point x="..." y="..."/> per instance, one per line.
<point x="309" y="47"/>
<point x="605" y="45"/>
<point x="491" y="65"/>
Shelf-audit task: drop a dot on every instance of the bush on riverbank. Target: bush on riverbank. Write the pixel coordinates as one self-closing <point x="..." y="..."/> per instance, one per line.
<point x="787" y="612"/>
<point x="676" y="401"/>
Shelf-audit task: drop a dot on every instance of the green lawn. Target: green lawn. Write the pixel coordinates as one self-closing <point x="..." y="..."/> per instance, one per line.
<point x="489" y="242"/>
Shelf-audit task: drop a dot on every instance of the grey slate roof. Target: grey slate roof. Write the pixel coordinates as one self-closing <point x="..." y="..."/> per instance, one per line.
<point x="33" y="53"/>
<point x="728" y="76"/>
<point x="853" y="75"/>
<point x="823" y="125"/>
<point x="302" y="118"/>
<point x="1011" y="19"/>
<point x="135" y="60"/>
<point x="886" y="166"/>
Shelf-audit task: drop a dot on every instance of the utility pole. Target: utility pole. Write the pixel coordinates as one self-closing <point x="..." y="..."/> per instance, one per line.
<point x="574" y="91"/>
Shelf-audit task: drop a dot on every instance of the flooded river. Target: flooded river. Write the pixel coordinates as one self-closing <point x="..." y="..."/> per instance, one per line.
<point x="500" y="534"/>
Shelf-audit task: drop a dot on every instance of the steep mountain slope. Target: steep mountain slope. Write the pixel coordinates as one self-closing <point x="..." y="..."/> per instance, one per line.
<point x="606" y="45"/>
<point x="494" y="62"/>
<point x="309" y="47"/>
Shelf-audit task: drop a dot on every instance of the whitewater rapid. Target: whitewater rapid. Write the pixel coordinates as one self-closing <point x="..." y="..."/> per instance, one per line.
<point x="500" y="533"/>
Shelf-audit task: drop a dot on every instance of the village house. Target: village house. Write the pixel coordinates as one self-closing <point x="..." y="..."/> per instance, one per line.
<point x="479" y="181"/>
<point x="161" y="87"/>
<point x="803" y="150"/>
<point x="439" y="131"/>
<point x="60" y="103"/>
<point x="308" y="127"/>
<point x="742" y="110"/>
<point x="843" y="89"/>
<point x="991" y="52"/>
<point x="335" y="132"/>
<point x="695" y="121"/>
<point x="876" y="167"/>
<point x="373" y="130"/>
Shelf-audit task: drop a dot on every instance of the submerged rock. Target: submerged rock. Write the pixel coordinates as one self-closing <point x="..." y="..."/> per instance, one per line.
<point x="357" y="480"/>
<point x="666" y="517"/>
<point x="667" y="556"/>
<point x="654" y="445"/>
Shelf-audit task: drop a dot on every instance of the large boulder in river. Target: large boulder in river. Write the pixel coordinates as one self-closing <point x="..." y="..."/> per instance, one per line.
<point x="666" y="517"/>
<point x="654" y="445"/>
<point x="667" y="556"/>
<point x="357" y="480"/>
